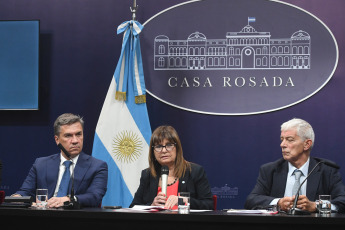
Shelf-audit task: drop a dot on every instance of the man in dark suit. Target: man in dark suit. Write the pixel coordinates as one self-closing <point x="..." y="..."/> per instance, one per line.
<point x="90" y="174"/>
<point x="276" y="180"/>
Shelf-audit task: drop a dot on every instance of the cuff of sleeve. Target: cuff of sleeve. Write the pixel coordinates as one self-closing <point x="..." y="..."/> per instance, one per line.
<point x="275" y="201"/>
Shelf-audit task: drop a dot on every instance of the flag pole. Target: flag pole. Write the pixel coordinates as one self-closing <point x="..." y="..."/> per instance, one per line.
<point x="134" y="9"/>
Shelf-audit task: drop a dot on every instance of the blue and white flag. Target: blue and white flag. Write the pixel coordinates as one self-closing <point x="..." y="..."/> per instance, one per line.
<point x="123" y="130"/>
<point x="251" y="19"/>
<point x="130" y="67"/>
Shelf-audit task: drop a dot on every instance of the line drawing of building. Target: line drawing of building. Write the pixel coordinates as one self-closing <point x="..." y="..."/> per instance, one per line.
<point x="225" y="191"/>
<point x="247" y="49"/>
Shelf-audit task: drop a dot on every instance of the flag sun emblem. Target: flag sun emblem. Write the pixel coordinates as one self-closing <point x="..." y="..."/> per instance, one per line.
<point x="127" y="146"/>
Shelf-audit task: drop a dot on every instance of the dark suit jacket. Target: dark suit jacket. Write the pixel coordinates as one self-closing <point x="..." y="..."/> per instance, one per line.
<point x="90" y="178"/>
<point x="194" y="181"/>
<point x="272" y="178"/>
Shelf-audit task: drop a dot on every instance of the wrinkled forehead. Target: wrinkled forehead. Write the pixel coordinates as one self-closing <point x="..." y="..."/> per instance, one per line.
<point x="289" y="132"/>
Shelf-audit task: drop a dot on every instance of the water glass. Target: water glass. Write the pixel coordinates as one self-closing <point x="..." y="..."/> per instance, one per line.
<point x="183" y="202"/>
<point x="324" y="204"/>
<point x="41" y="198"/>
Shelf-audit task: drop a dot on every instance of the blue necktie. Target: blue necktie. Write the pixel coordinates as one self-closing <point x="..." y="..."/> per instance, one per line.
<point x="64" y="184"/>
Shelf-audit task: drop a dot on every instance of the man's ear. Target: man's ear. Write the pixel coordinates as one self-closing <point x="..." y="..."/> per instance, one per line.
<point x="56" y="139"/>
<point x="307" y="144"/>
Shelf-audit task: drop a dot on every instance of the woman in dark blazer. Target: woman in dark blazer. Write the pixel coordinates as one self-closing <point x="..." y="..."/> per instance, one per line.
<point x="184" y="176"/>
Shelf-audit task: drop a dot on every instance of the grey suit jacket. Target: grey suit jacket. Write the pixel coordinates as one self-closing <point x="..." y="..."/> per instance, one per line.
<point x="272" y="178"/>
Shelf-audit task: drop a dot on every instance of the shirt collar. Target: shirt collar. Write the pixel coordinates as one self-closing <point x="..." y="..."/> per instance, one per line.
<point x="74" y="159"/>
<point x="304" y="168"/>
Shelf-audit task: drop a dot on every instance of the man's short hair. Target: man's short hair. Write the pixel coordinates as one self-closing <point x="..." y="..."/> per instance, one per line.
<point x="303" y="128"/>
<point x="67" y="119"/>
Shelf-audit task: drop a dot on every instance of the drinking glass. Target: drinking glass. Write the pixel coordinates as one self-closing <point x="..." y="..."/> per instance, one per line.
<point x="183" y="202"/>
<point x="324" y="204"/>
<point x="41" y="198"/>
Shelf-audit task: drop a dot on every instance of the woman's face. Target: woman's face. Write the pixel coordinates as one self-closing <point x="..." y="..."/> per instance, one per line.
<point x="165" y="153"/>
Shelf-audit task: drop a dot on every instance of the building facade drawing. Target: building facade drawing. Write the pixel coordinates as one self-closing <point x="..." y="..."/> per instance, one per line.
<point x="247" y="49"/>
<point x="225" y="191"/>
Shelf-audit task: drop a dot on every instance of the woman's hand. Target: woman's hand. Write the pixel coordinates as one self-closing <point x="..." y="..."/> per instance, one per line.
<point x="159" y="200"/>
<point x="171" y="202"/>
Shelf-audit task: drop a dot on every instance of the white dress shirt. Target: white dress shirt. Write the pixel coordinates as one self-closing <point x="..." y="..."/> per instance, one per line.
<point x="62" y="170"/>
<point x="290" y="181"/>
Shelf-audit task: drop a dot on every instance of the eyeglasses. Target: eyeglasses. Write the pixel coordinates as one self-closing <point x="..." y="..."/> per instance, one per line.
<point x="168" y="147"/>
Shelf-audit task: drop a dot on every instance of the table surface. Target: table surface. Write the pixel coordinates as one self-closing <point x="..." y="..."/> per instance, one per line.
<point x="89" y="217"/>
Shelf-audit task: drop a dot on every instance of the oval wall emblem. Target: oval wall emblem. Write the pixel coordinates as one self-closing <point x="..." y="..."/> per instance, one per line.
<point x="230" y="57"/>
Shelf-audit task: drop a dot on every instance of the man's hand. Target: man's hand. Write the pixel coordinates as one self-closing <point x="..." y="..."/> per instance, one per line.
<point x="305" y="204"/>
<point x="56" y="202"/>
<point x="285" y="203"/>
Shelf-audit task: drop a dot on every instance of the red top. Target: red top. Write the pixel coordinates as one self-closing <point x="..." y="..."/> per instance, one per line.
<point x="171" y="190"/>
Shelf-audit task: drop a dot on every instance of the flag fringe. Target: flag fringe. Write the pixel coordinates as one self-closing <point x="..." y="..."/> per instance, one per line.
<point x="120" y="96"/>
<point x="140" y="99"/>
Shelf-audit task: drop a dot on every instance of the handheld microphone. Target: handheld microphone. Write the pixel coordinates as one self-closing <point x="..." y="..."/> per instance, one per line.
<point x="297" y="211"/>
<point x="73" y="204"/>
<point x="164" y="176"/>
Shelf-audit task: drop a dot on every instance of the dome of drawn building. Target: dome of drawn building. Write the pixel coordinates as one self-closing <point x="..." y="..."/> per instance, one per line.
<point x="300" y="35"/>
<point x="161" y="37"/>
<point x="248" y="29"/>
<point x="197" y="36"/>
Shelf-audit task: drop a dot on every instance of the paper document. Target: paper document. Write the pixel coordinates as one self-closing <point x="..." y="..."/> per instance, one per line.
<point x="146" y="208"/>
<point x="245" y="211"/>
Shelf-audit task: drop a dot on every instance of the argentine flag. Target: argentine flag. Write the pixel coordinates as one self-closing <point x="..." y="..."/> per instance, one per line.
<point x="123" y="130"/>
<point x="251" y="19"/>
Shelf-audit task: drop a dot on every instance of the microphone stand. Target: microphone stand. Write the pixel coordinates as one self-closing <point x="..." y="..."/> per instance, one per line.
<point x="297" y="211"/>
<point x="72" y="204"/>
<point x="134" y="10"/>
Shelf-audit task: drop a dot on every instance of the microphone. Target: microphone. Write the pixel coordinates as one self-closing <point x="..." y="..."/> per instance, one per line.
<point x="164" y="176"/>
<point x="297" y="211"/>
<point x="327" y="162"/>
<point x="72" y="204"/>
<point x="65" y="151"/>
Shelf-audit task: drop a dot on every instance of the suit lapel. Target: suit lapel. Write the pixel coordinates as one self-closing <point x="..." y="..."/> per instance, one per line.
<point x="182" y="184"/>
<point x="313" y="180"/>
<point x="80" y="170"/>
<point x="279" y="180"/>
<point x="52" y="172"/>
<point x="153" y="186"/>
